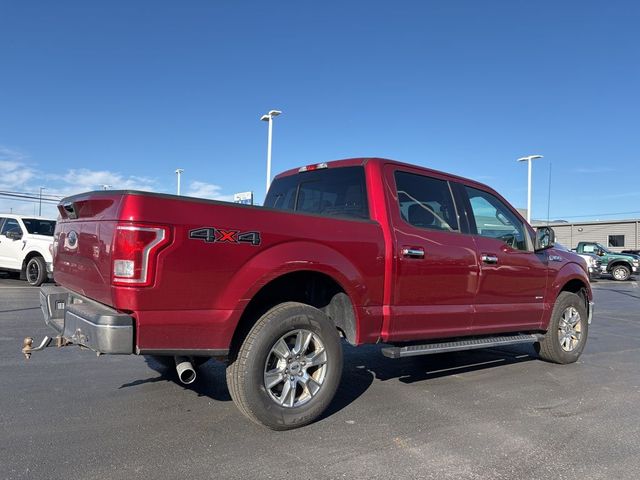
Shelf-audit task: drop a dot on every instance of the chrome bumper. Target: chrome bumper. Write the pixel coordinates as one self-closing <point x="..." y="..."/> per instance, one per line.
<point x="84" y="322"/>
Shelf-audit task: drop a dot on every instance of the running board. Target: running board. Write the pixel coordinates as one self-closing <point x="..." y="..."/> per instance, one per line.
<point x="442" y="347"/>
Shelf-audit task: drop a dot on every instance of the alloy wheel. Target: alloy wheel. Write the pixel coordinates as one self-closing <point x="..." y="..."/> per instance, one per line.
<point x="295" y="368"/>
<point x="570" y="329"/>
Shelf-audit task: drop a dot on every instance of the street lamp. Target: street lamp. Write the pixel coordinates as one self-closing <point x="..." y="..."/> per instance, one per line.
<point x="528" y="159"/>
<point x="106" y="187"/>
<point x="40" y="203"/>
<point x="269" y="118"/>
<point x="179" y="172"/>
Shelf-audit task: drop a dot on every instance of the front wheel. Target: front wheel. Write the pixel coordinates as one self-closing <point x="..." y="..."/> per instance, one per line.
<point x="621" y="273"/>
<point x="567" y="334"/>
<point x="287" y="370"/>
<point x="36" y="271"/>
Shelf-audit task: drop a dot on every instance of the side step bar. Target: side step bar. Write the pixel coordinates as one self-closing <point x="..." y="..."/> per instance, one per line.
<point x="458" y="345"/>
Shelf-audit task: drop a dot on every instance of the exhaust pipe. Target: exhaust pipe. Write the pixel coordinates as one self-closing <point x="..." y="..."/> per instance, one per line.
<point x="186" y="372"/>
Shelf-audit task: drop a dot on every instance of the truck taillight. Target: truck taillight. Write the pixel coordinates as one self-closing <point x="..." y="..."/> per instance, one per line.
<point x="135" y="249"/>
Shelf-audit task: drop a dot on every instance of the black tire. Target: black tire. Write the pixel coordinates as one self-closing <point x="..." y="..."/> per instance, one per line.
<point x="310" y="385"/>
<point x="36" y="271"/>
<point x="557" y="346"/>
<point x="621" y="272"/>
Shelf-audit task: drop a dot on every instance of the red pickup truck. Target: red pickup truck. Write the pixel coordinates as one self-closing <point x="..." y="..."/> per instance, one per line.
<point x="371" y="250"/>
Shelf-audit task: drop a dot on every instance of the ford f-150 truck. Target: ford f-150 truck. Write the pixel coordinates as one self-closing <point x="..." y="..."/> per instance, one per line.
<point x="620" y="265"/>
<point x="371" y="250"/>
<point x="24" y="247"/>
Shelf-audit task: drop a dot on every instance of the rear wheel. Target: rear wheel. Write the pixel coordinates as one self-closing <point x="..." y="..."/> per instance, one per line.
<point x="567" y="334"/>
<point x="621" y="272"/>
<point x="287" y="369"/>
<point x="36" y="271"/>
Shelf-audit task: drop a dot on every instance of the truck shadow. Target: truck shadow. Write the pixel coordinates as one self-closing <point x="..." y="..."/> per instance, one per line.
<point x="210" y="381"/>
<point x="362" y="366"/>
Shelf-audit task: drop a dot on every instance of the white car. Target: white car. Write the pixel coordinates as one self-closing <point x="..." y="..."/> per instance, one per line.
<point x="594" y="264"/>
<point x="24" y="246"/>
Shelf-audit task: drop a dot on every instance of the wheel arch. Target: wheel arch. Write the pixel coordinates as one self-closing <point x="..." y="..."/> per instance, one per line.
<point x="576" y="286"/>
<point x="311" y="287"/>
<point x="618" y="262"/>
<point x="27" y="257"/>
<point x="571" y="278"/>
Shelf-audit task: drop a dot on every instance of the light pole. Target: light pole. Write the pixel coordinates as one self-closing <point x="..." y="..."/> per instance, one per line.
<point x="269" y="118"/>
<point x="179" y="172"/>
<point x="40" y="203"/>
<point x="528" y="159"/>
<point x="106" y="187"/>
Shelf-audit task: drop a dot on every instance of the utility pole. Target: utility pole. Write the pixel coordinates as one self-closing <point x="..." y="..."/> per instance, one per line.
<point x="40" y="203"/>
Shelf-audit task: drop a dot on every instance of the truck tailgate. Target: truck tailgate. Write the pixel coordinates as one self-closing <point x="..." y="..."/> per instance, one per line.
<point x="82" y="244"/>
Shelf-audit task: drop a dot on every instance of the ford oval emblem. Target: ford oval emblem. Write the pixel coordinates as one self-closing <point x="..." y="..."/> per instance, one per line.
<point x="72" y="240"/>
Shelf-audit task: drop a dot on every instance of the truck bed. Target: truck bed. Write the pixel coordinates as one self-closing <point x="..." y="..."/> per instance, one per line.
<point x="206" y="274"/>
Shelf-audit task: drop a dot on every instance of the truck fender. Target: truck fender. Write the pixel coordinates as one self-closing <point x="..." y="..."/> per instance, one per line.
<point x="571" y="277"/>
<point x="290" y="257"/>
<point x="295" y="256"/>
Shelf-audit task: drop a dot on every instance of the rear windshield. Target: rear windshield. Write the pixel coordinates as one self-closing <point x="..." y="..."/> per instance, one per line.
<point x="337" y="192"/>
<point x="39" y="227"/>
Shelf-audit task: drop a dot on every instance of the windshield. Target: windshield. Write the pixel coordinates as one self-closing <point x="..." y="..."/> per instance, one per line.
<point x="39" y="227"/>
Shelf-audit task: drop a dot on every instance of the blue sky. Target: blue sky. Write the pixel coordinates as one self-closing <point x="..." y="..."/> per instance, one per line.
<point x="123" y="93"/>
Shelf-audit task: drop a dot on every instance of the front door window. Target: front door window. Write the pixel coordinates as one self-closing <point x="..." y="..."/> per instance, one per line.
<point x="494" y="220"/>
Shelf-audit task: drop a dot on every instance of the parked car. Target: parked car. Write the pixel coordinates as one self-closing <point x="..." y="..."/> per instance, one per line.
<point x="368" y="249"/>
<point x="620" y="265"/>
<point x="24" y="247"/>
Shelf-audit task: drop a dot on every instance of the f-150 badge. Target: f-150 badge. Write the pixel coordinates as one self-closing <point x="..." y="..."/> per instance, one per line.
<point x="219" y="235"/>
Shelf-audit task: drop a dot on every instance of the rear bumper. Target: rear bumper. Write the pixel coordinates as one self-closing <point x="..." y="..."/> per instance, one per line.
<point x="82" y="321"/>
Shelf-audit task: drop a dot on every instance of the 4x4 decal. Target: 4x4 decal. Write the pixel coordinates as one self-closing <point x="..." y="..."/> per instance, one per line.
<point x="219" y="235"/>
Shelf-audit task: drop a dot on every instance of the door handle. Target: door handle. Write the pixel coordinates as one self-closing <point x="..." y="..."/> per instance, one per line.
<point x="413" y="252"/>
<point x="489" y="258"/>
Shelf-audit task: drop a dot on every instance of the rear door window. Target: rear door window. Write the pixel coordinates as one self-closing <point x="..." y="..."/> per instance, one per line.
<point x="426" y="202"/>
<point x="39" y="227"/>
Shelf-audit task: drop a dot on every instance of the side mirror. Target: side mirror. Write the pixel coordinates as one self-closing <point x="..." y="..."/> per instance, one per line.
<point x="13" y="235"/>
<point x="545" y="238"/>
<point x="600" y="252"/>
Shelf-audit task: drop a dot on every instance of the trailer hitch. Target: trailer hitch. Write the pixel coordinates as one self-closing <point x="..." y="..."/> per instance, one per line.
<point x="28" y="348"/>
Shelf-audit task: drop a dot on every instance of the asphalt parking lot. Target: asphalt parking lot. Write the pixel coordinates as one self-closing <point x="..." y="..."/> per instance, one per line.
<point x="491" y="414"/>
